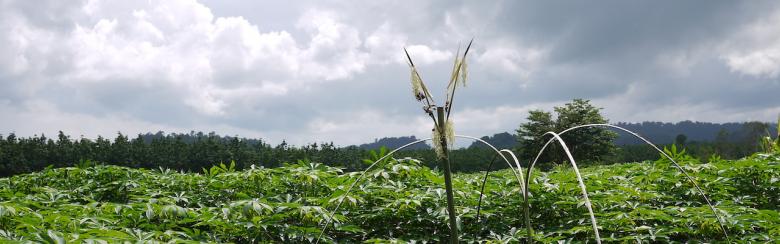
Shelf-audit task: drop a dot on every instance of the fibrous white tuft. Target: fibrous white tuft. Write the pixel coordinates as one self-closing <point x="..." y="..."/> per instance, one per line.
<point x="417" y="85"/>
<point x="449" y="133"/>
<point x="448" y="137"/>
<point x="436" y="142"/>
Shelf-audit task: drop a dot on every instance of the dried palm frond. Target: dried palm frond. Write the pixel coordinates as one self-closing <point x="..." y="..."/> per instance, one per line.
<point x="456" y="77"/>
<point x="463" y="72"/>
<point x="455" y="70"/>
<point x="418" y="86"/>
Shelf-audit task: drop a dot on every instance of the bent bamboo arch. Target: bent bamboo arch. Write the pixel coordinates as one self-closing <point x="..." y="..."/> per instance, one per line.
<point x="517" y="172"/>
<point x="525" y="181"/>
<point x="687" y="176"/>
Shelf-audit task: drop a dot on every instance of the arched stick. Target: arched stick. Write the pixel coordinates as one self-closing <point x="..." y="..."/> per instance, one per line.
<point x="330" y="220"/>
<point x="557" y="137"/>
<point x="687" y="176"/>
<point x="519" y="169"/>
<point x="518" y="175"/>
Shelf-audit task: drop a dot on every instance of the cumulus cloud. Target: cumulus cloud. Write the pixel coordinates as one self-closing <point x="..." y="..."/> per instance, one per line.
<point x="512" y="59"/>
<point x="335" y="71"/>
<point x="425" y="55"/>
<point x="369" y="123"/>
<point x="755" y="49"/>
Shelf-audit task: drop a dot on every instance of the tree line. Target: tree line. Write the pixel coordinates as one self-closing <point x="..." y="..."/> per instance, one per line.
<point x="194" y="151"/>
<point x="189" y="152"/>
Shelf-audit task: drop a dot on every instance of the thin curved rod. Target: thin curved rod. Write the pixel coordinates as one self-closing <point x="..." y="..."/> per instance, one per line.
<point x="526" y="212"/>
<point x="330" y="220"/>
<point x="484" y="182"/>
<point x="338" y="205"/>
<point x="676" y="165"/>
<point x="525" y="199"/>
<point x="519" y="176"/>
<point x="558" y="138"/>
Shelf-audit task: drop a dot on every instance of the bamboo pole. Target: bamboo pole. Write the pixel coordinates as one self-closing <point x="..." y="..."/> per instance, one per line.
<point x="445" y="164"/>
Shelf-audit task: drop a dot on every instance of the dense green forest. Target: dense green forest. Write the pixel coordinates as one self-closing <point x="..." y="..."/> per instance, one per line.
<point x="196" y="150"/>
<point x="192" y="152"/>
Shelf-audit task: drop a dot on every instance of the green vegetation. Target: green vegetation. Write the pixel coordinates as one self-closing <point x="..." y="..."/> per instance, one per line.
<point x="190" y="152"/>
<point x="195" y="150"/>
<point x="399" y="201"/>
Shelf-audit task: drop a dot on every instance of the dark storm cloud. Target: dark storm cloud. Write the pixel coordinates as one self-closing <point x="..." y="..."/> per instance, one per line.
<point x="334" y="70"/>
<point x="618" y="27"/>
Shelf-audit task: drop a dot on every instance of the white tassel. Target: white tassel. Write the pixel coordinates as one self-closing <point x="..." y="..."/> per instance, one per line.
<point x="417" y="85"/>
<point x="448" y="136"/>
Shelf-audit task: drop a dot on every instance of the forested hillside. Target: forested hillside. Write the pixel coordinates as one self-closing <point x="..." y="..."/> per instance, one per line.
<point x="196" y="150"/>
<point x="663" y="133"/>
<point x="394" y="142"/>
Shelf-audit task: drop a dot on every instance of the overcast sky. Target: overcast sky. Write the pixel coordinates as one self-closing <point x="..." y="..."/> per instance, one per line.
<point x="315" y="71"/>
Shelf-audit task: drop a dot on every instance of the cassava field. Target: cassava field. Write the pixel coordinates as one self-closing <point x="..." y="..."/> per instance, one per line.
<point x="400" y="201"/>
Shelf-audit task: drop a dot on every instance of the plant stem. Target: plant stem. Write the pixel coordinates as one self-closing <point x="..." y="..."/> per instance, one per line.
<point x="445" y="163"/>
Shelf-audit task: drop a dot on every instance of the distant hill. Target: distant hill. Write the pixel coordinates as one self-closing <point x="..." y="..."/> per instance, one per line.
<point x="394" y="142"/>
<point x="664" y="133"/>
<point x="659" y="133"/>
<point x="501" y="141"/>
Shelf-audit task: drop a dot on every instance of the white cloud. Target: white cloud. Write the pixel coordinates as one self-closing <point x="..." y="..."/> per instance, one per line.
<point x="764" y="61"/>
<point x="511" y="58"/>
<point x="306" y="71"/>
<point x="755" y="49"/>
<point x="425" y="55"/>
<point x="38" y="117"/>
<point x="182" y="43"/>
<point x="490" y="120"/>
<point x="218" y="67"/>
<point x="368" y="124"/>
<point x="634" y="106"/>
<point x="385" y="44"/>
<point x="333" y="52"/>
<point x="41" y="117"/>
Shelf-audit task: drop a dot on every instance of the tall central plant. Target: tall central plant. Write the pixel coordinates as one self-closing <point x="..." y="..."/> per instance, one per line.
<point x="443" y="134"/>
<point x="420" y="91"/>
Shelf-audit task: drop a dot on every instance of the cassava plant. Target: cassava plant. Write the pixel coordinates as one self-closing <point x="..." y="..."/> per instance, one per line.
<point x="770" y="145"/>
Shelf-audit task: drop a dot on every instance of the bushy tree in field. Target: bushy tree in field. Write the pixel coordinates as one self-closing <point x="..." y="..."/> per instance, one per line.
<point x="586" y="144"/>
